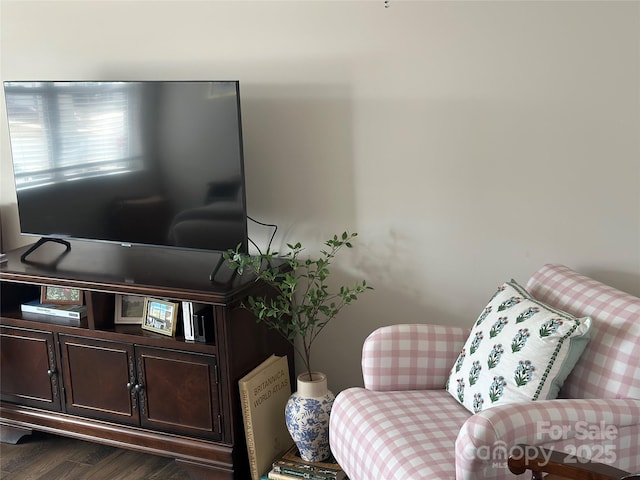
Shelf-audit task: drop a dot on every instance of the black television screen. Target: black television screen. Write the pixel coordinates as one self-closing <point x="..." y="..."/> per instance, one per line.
<point x="152" y="163"/>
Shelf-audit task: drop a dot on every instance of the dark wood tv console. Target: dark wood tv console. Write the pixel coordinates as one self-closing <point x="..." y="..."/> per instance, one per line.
<point x="118" y="384"/>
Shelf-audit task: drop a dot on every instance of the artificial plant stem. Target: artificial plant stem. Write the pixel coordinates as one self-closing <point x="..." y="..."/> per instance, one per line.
<point x="302" y="353"/>
<point x="307" y="351"/>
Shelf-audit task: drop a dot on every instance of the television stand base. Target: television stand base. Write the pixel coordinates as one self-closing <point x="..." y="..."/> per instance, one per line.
<point x="41" y="242"/>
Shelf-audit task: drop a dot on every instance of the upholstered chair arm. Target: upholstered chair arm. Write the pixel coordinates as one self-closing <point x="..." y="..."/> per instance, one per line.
<point x="410" y="356"/>
<point x="541" y="460"/>
<point x="608" y="429"/>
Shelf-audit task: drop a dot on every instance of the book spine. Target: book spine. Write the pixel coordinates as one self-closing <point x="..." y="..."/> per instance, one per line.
<point x="303" y="473"/>
<point x="273" y="475"/>
<point x="51" y="311"/>
<point x="276" y="476"/>
<point x="248" y="430"/>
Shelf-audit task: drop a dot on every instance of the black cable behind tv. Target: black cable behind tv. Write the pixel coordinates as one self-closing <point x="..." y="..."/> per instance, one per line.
<point x="216" y="269"/>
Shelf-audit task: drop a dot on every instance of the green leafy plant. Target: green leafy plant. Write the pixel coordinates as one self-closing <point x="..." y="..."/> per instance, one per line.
<point x="302" y="303"/>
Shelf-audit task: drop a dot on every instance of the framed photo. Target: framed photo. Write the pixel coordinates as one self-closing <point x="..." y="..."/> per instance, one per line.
<point x="160" y="316"/>
<point x="129" y="309"/>
<point x="60" y="295"/>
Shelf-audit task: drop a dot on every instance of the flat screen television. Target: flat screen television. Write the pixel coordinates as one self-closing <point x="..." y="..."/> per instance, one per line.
<point x="150" y="163"/>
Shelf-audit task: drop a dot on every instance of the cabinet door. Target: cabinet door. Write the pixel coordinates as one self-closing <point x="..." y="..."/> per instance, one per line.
<point x="100" y="379"/>
<point x="28" y="369"/>
<point x="179" y="392"/>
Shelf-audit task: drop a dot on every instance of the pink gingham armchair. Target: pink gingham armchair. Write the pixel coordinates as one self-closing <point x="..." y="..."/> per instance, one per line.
<point x="404" y="425"/>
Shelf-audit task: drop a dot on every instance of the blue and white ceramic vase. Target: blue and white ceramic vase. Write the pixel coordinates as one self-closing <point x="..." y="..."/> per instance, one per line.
<point x="307" y="416"/>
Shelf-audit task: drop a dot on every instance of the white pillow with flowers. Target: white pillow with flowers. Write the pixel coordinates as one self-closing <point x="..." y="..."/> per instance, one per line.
<point x="519" y="349"/>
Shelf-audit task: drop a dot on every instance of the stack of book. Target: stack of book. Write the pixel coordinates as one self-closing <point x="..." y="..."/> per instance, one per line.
<point x="290" y="466"/>
<point x="72" y="315"/>
<point x="56" y="310"/>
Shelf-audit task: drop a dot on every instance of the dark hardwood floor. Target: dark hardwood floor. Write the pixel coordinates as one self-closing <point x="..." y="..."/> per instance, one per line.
<point x="42" y="456"/>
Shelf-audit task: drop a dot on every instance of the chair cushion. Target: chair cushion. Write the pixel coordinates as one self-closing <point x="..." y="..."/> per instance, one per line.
<point x="396" y="435"/>
<point x="519" y="349"/>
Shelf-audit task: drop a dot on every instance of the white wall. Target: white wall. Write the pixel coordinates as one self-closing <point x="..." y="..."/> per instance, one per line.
<point x="467" y="143"/>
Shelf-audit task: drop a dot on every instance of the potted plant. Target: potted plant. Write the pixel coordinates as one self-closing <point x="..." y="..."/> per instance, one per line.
<point x="301" y="306"/>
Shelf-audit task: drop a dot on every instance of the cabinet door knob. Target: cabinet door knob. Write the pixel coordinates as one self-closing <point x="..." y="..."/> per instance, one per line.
<point x="139" y="387"/>
<point x="129" y="386"/>
<point x="51" y="372"/>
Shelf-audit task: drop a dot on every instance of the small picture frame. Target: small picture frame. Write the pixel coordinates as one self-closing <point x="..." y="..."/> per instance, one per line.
<point x="60" y="295"/>
<point x="160" y="316"/>
<point x="129" y="309"/>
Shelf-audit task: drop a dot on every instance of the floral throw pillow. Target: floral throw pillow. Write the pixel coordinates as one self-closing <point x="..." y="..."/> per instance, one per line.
<point x="519" y="349"/>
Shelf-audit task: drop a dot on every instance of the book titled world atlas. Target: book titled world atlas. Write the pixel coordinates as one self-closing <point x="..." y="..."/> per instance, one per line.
<point x="263" y="395"/>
